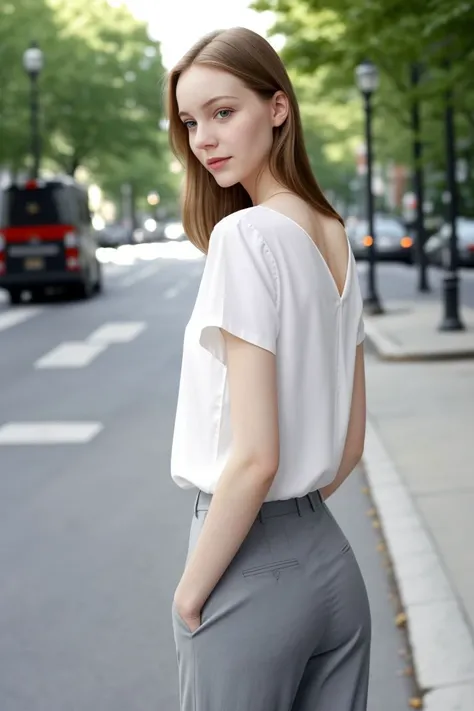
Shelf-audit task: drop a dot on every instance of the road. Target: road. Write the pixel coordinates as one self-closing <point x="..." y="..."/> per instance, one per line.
<point x="92" y="530"/>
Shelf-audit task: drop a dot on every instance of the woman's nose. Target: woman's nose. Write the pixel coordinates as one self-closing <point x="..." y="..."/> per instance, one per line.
<point x="204" y="138"/>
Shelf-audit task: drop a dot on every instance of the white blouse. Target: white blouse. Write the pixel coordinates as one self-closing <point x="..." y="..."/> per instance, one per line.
<point x="266" y="282"/>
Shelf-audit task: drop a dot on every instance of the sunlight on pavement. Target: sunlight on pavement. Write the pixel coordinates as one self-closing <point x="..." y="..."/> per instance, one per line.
<point x="130" y="253"/>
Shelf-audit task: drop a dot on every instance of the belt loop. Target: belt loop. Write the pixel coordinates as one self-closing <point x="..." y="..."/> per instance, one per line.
<point x="298" y="507"/>
<point x="259" y="516"/>
<point x="196" y="504"/>
<point x="311" y="502"/>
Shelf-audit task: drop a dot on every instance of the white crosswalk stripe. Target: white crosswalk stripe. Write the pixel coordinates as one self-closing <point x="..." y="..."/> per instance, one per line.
<point x="79" y="354"/>
<point x="173" y="291"/>
<point x="118" y="332"/>
<point x="72" y="354"/>
<point x="18" y="315"/>
<point x="123" y="270"/>
<point x="30" y="433"/>
<point x="112" y="271"/>
<point x="148" y="271"/>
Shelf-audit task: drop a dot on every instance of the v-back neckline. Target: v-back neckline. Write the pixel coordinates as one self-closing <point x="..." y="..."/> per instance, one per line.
<point x="340" y="294"/>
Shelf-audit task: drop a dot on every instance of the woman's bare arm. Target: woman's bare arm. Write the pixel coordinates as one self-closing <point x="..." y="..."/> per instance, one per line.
<point x="247" y="477"/>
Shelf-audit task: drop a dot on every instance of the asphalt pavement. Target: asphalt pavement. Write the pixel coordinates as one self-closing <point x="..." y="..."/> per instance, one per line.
<point x="93" y="532"/>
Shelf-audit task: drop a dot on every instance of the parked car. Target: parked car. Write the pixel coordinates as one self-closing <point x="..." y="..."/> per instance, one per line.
<point x="160" y="231"/>
<point x="392" y="241"/>
<point x="47" y="239"/>
<point x="151" y="231"/>
<point x="114" y="235"/>
<point x="437" y="247"/>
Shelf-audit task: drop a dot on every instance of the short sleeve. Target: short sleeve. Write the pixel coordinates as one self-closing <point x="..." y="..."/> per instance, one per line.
<point x="239" y="290"/>
<point x="360" y="330"/>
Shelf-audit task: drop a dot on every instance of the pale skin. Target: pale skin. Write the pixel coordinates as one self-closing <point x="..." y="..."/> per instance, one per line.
<point x="241" y="128"/>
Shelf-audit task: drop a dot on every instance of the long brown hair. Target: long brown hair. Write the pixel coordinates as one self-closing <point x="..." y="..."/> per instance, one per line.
<point x="253" y="60"/>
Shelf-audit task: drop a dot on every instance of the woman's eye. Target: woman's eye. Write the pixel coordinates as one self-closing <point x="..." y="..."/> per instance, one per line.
<point x="224" y="111"/>
<point x="187" y="124"/>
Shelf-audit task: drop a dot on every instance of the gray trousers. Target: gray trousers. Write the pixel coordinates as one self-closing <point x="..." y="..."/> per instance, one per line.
<point x="287" y="627"/>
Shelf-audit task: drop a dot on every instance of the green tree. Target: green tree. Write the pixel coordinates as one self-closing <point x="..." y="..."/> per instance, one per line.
<point x="326" y="39"/>
<point x="145" y="171"/>
<point x="330" y="135"/>
<point x="107" y="90"/>
<point x="21" y="21"/>
<point x="100" y="91"/>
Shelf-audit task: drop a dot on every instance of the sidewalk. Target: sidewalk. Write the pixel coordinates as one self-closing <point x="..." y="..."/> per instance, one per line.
<point x="409" y="332"/>
<point x="419" y="459"/>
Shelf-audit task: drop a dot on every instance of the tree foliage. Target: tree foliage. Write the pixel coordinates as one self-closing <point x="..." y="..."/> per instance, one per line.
<point x="100" y="89"/>
<point x="326" y="39"/>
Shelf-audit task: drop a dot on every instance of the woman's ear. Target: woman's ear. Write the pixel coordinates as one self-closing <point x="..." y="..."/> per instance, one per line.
<point x="280" y="108"/>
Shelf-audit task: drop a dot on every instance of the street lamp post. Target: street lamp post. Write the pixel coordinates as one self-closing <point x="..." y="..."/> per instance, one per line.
<point x="33" y="64"/>
<point x="418" y="180"/>
<point x="451" y="320"/>
<point x="367" y="79"/>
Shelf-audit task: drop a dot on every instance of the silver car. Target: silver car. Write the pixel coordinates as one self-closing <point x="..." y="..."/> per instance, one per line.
<point x="392" y="241"/>
<point x="437" y="247"/>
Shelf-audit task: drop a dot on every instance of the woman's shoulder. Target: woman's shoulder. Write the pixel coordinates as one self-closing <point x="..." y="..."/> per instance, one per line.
<point x="235" y="221"/>
<point x="240" y="238"/>
<point x="242" y="227"/>
<point x="255" y="225"/>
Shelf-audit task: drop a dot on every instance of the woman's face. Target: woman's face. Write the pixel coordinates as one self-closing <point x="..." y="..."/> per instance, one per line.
<point x="227" y="121"/>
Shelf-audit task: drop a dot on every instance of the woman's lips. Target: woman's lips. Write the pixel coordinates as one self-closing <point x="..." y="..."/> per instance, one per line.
<point x="216" y="165"/>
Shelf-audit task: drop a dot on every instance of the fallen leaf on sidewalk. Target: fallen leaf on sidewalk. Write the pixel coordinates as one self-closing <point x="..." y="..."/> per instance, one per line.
<point x="416" y="703"/>
<point x="376" y="523"/>
<point x="371" y="512"/>
<point x="365" y="490"/>
<point x="401" y="619"/>
<point x="381" y="547"/>
<point x="408" y="671"/>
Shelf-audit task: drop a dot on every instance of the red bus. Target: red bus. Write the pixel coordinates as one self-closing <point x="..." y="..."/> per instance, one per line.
<point x="47" y="239"/>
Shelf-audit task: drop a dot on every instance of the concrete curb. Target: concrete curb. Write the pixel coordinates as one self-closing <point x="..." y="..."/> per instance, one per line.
<point x="387" y="349"/>
<point x="441" y="641"/>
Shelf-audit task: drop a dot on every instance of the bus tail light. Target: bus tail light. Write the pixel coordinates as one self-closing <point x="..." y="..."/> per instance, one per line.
<point x="72" y="259"/>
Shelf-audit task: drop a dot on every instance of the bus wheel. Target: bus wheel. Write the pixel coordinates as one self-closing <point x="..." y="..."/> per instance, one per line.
<point x="99" y="285"/>
<point x="15" y="296"/>
<point x="85" y="289"/>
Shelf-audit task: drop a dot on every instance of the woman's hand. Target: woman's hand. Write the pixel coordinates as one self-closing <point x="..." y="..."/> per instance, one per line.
<point x="192" y="621"/>
<point x="189" y="612"/>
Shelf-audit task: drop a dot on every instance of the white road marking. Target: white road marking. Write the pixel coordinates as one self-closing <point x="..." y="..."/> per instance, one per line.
<point x="144" y="273"/>
<point x="16" y="316"/>
<point x="119" y="332"/>
<point x="78" y="354"/>
<point x="111" y="271"/>
<point x="173" y="291"/>
<point x="71" y="354"/>
<point x="48" y="432"/>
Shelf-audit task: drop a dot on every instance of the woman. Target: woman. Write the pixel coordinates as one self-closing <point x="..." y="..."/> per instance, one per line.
<point x="271" y="612"/>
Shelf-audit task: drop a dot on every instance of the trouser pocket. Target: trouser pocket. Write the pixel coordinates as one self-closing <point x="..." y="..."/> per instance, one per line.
<point x="181" y="626"/>
<point x="270" y="568"/>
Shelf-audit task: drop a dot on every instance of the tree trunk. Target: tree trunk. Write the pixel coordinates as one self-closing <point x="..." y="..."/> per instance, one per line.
<point x="73" y="166"/>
